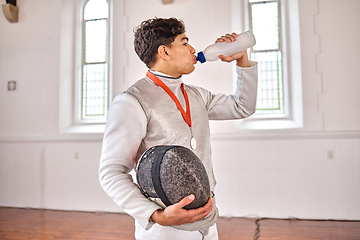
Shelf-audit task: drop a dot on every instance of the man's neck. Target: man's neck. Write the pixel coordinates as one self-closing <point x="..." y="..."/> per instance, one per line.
<point x="165" y="70"/>
<point x="159" y="73"/>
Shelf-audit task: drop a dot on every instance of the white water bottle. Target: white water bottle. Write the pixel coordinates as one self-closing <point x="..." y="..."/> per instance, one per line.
<point x="243" y="41"/>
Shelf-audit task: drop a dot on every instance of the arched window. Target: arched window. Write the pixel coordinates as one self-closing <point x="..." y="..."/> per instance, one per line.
<point x="95" y="61"/>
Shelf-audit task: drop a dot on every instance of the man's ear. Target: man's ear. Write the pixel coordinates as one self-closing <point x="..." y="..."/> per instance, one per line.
<point x="162" y="51"/>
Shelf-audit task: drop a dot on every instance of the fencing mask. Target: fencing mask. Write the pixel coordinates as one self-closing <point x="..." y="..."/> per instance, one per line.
<point x="167" y="174"/>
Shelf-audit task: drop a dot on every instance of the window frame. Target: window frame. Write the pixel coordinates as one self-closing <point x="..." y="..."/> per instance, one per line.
<point x="291" y="66"/>
<point x="281" y="100"/>
<point x="70" y="64"/>
<point x="79" y="96"/>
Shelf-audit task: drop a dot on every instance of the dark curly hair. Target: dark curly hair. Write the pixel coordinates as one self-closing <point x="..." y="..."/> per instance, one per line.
<point x="152" y="33"/>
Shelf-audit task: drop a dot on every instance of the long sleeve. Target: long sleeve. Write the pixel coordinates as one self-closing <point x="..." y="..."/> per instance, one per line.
<point x="239" y="105"/>
<point x="125" y="129"/>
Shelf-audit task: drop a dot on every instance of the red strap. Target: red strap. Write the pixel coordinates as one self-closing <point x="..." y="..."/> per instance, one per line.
<point x="187" y="115"/>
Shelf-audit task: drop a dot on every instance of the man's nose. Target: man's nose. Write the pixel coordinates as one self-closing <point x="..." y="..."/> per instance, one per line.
<point x="192" y="50"/>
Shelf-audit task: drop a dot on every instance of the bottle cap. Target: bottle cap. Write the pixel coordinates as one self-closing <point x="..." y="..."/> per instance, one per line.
<point x="201" y="57"/>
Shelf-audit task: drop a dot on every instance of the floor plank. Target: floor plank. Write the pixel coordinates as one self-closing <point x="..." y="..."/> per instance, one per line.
<point x="272" y="229"/>
<point x="20" y="224"/>
<point x="40" y="224"/>
<point x="236" y="228"/>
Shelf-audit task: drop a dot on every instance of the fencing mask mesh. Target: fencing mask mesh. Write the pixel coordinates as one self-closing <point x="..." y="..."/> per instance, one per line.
<point x="170" y="173"/>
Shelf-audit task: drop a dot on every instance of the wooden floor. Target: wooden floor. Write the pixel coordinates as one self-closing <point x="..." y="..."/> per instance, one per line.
<point x="21" y="224"/>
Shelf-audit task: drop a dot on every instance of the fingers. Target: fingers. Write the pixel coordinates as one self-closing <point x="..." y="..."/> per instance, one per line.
<point x="234" y="56"/>
<point x="185" y="201"/>
<point x="208" y="206"/>
<point x="200" y="213"/>
<point x="176" y="215"/>
<point x="227" y="38"/>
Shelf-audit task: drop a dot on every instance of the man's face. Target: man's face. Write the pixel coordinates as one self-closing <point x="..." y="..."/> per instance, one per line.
<point x="182" y="55"/>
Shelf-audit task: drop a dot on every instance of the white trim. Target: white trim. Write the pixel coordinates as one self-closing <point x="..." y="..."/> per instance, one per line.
<point x="284" y="135"/>
<point x="68" y="38"/>
<point x="230" y="136"/>
<point x="54" y="139"/>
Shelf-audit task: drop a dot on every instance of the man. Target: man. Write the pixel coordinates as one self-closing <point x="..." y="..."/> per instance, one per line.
<point x="160" y="110"/>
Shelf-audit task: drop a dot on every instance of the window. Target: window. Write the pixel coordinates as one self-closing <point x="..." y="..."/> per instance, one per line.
<point x="264" y="22"/>
<point x="86" y="88"/>
<point x="95" y="56"/>
<point x="276" y="26"/>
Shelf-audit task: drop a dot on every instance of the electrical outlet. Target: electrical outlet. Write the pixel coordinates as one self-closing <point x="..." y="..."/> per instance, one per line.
<point x="330" y="154"/>
<point x="11" y="86"/>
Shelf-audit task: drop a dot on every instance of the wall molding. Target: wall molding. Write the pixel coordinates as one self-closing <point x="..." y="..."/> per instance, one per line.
<point x="284" y="135"/>
<point x="70" y="138"/>
<point x="237" y="136"/>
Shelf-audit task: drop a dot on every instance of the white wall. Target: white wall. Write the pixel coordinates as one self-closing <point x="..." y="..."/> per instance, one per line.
<point x="279" y="173"/>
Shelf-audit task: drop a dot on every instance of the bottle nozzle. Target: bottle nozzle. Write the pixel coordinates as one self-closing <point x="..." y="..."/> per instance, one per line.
<point x="201" y="57"/>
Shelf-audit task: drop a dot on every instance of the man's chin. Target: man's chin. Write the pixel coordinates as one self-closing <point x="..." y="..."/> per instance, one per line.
<point x="190" y="71"/>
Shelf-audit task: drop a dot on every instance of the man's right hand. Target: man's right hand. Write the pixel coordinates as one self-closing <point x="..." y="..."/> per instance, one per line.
<point x="177" y="215"/>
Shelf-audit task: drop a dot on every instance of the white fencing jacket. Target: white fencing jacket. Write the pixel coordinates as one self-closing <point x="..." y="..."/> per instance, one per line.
<point x="145" y="116"/>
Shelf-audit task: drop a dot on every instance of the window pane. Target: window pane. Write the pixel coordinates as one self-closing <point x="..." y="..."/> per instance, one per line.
<point x="265" y="25"/>
<point x="94" y="90"/>
<point x="270" y="96"/>
<point x="96" y="9"/>
<point x="95" y="41"/>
